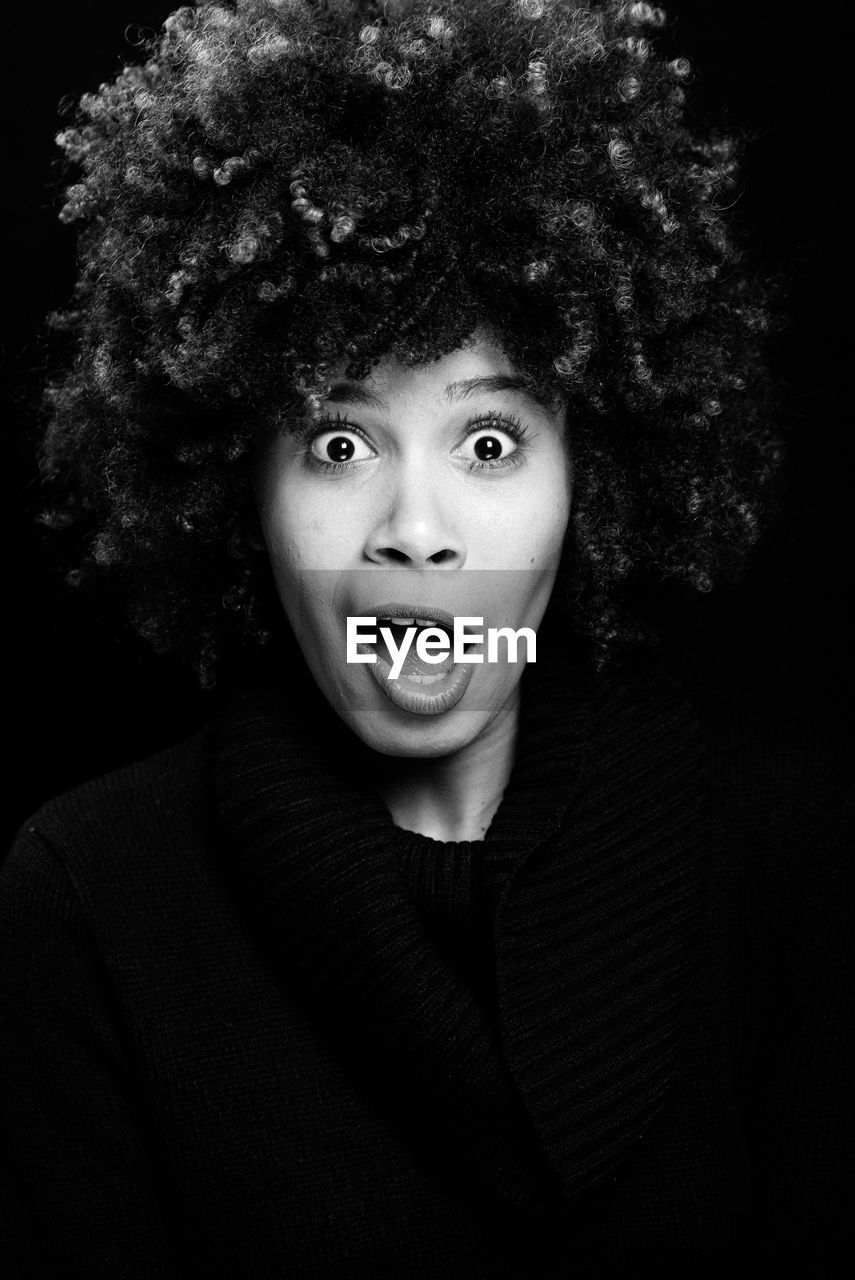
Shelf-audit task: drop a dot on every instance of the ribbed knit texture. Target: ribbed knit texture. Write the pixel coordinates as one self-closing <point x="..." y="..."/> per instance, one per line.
<point x="250" y="1028"/>
<point x="592" y="955"/>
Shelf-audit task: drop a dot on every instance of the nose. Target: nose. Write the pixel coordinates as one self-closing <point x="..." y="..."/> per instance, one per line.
<point x="417" y="527"/>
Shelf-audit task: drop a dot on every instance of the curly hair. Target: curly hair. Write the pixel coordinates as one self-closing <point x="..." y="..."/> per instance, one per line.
<point x="285" y="184"/>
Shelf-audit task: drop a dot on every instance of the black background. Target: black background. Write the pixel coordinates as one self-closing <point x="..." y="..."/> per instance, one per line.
<point x="82" y="696"/>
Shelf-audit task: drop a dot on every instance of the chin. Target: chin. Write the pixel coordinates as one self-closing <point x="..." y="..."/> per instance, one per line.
<point x="390" y="731"/>
<point x="420" y="741"/>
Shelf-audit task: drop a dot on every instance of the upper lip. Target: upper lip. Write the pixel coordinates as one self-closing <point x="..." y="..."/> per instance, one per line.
<point x="424" y="612"/>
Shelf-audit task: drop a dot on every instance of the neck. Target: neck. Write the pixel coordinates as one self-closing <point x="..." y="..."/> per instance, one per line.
<point x="452" y="797"/>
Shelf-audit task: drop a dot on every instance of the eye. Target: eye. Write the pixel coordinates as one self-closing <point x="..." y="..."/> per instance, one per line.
<point x="491" y="441"/>
<point x="340" y="445"/>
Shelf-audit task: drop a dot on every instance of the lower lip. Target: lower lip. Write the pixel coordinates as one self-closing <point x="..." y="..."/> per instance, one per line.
<point x="420" y="699"/>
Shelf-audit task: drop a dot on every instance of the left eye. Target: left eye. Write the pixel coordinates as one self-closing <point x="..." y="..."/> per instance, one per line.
<point x="488" y="444"/>
<point x="340" y="446"/>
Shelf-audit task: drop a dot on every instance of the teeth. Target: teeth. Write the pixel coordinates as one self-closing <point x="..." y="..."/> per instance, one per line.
<point x="411" y="622"/>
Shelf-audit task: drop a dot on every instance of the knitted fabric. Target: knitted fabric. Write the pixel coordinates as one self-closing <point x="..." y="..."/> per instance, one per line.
<point x="594" y="920"/>
<point x="249" y="1028"/>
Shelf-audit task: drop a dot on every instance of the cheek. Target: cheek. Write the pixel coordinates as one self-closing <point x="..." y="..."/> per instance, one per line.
<point x="288" y="545"/>
<point x="305" y="558"/>
<point x="296" y="533"/>
<point x="555" y="497"/>
<point x="535" y="524"/>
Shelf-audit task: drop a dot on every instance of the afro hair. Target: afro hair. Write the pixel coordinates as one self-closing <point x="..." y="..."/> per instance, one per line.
<point x="283" y="185"/>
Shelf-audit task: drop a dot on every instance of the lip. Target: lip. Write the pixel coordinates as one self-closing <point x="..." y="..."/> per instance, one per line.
<point x="420" y="700"/>
<point x="443" y="695"/>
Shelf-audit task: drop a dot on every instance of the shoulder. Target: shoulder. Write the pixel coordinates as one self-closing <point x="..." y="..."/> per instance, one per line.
<point x="782" y="811"/>
<point x="777" y="767"/>
<point x="155" y="789"/>
<point x="763" y="767"/>
<point x="124" y="825"/>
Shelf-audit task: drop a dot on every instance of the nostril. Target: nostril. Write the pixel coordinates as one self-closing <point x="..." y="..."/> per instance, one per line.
<point x="403" y="551"/>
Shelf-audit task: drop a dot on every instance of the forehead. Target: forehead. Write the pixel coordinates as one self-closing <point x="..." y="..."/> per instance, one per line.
<point x="478" y="369"/>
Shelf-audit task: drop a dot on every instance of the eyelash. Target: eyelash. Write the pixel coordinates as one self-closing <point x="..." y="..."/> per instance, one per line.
<point x="510" y="424"/>
<point x="317" y="429"/>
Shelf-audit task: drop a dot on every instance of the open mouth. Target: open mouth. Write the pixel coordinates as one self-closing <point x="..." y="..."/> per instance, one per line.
<point x="403" y="632"/>
<point x="415" y="685"/>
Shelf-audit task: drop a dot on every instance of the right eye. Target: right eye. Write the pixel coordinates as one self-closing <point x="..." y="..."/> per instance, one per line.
<point x="340" y="446"/>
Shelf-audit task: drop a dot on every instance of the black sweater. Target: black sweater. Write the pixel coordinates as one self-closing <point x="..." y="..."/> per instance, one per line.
<point x="250" y="1028"/>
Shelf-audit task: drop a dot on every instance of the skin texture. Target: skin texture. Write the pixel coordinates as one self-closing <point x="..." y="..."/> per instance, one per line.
<point x="414" y="518"/>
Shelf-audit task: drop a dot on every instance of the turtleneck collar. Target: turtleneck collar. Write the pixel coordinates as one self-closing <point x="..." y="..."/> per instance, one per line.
<point x="586" y="883"/>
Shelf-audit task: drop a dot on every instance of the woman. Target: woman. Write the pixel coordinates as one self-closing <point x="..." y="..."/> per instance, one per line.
<point x="396" y="321"/>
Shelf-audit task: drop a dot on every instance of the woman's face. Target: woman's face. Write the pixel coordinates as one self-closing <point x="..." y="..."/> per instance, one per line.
<point x="423" y="495"/>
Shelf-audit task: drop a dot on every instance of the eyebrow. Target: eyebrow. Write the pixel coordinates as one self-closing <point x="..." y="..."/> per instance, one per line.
<point x="492" y="384"/>
<point x="354" y="393"/>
